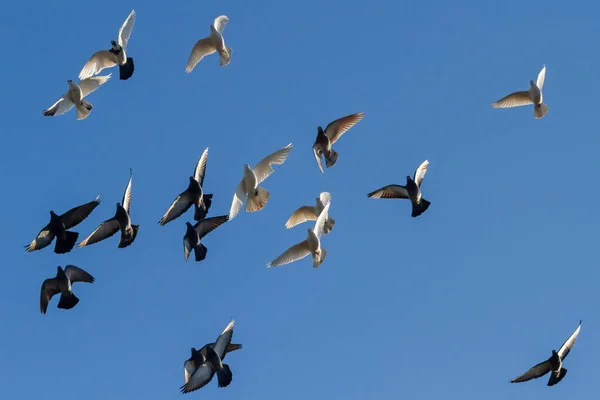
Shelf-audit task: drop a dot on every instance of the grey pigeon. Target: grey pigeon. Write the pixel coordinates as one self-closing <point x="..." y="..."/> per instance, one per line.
<point x="201" y="367"/>
<point x="57" y="227"/>
<point x="121" y="221"/>
<point x="332" y="133"/>
<point x="193" y="195"/>
<point x="63" y="284"/>
<point x="193" y="235"/>
<point x="553" y="364"/>
<point x="411" y="191"/>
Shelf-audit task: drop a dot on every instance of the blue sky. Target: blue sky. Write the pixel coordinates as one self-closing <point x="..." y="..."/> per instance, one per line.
<point x="452" y="304"/>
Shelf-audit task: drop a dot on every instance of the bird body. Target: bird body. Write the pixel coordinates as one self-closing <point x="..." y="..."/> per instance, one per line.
<point x="332" y="133"/>
<point x="211" y="44"/>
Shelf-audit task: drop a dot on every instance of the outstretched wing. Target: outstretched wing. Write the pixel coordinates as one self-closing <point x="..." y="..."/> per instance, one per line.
<point x="515" y="99"/>
<point x="106" y="229"/>
<point x="43" y="239"/>
<point x="302" y="214"/>
<point x="209" y="224"/>
<point x="263" y="169"/>
<point x="566" y="347"/>
<point x="294" y="253"/>
<point x="127" y="195"/>
<point x="389" y="192"/>
<point x="201" y="49"/>
<point x="337" y="128"/>
<point x="420" y="172"/>
<point x="200" y="169"/>
<point x="535" y="372"/>
<point x="541" y="78"/>
<point x="76" y="215"/>
<point x="76" y="274"/>
<point x="125" y="31"/>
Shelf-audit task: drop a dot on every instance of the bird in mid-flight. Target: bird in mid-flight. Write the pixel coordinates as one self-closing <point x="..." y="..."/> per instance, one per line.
<point x="116" y="55"/>
<point x="311" y="213"/>
<point x="210" y="44"/>
<point x="332" y="133"/>
<point x="193" y="235"/>
<point x="75" y="96"/>
<point x="62" y="284"/>
<point x="532" y="96"/>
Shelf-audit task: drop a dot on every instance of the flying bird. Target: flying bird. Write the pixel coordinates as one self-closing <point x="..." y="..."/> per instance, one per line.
<point x="311" y="213"/>
<point x="116" y="55"/>
<point x="257" y="197"/>
<point x="193" y="235"/>
<point x="194" y="194"/>
<point x="121" y="221"/>
<point x="532" y="96"/>
<point x="201" y="367"/>
<point x="57" y="227"/>
<point x="312" y="245"/>
<point x="75" y="96"/>
<point x="553" y="364"/>
<point x="63" y="284"/>
<point x="332" y="133"/>
<point x="213" y="43"/>
<point x="411" y="191"/>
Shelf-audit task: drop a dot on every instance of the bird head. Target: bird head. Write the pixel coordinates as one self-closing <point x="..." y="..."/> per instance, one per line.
<point x="53" y="214"/>
<point x="69" y="81"/>
<point x="319" y="130"/>
<point x="113" y="43"/>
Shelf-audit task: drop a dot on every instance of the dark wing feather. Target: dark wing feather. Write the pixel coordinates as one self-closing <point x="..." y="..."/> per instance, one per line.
<point x="43" y="239"/>
<point x="49" y="289"/>
<point x="209" y="224"/>
<point x="389" y="192"/>
<point x="180" y="205"/>
<point x="76" y="215"/>
<point x="535" y="372"/>
<point x="103" y="231"/>
<point x="76" y="274"/>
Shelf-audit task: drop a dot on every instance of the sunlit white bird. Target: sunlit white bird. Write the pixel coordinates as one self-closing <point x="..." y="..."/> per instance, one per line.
<point x="312" y="245"/>
<point x="532" y="96"/>
<point x="75" y="96"/>
<point x="311" y="213"/>
<point x="116" y="55"/>
<point x="248" y="187"/>
<point x="213" y="43"/>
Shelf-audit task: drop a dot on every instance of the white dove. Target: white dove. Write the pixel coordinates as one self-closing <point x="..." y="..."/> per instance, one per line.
<point x="311" y="213"/>
<point x="75" y="96"/>
<point x="312" y="245"/>
<point x="115" y="56"/>
<point x="532" y="96"/>
<point x="213" y="43"/>
<point x="248" y="187"/>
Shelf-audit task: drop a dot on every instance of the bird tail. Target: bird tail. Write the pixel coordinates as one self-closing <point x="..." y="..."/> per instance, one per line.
<point x="331" y="158"/>
<point x="318" y="261"/>
<point x="418" y="209"/>
<point x="200" y="252"/>
<point x="224" y="376"/>
<point x="233" y="347"/>
<point x="540" y="110"/>
<point x="126" y="70"/>
<point x="65" y="245"/>
<point x="225" y="58"/>
<point x="67" y="301"/>
<point x="200" y="212"/>
<point x="257" y="200"/>
<point x="128" y="237"/>
<point x="554" y="380"/>
<point x="84" y="109"/>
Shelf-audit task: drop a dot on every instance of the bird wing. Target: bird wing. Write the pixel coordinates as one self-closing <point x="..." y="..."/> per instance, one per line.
<point x="566" y="347"/>
<point x="201" y="376"/>
<point x="189" y="367"/>
<point x="318" y="158"/>
<point x="535" y="372"/>
<point x="337" y="128"/>
<point x="201" y="49"/>
<point x="263" y="169"/>
<point x="420" y="172"/>
<point x="76" y="215"/>
<point x="127" y="195"/>
<point x="103" y="231"/>
<point x="125" y="31"/>
<point x="43" y="239"/>
<point x="60" y="107"/>
<point x="76" y="274"/>
<point x="302" y="214"/>
<point x="100" y="60"/>
<point x="238" y="200"/>
<point x="320" y="223"/>
<point x="201" y="168"/>
<point x="541" y="78"/>
<point x="49" y="289"/>
<point x="294" y="253"/>
<point x="389" y="192"/>
<point x="180" y="205"/>
<point x="209" y="224"/>
<point x="224" y="340"/>
<point x="90" y="84"/>
<point x="220" y="22"/>
<point x="515" y="99"/>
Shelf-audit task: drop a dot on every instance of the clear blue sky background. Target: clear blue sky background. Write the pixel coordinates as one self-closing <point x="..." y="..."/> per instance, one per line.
<point x="452" y="304"/>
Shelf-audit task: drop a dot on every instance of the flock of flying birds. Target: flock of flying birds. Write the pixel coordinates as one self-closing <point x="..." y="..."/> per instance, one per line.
<point x="203" y="364"/>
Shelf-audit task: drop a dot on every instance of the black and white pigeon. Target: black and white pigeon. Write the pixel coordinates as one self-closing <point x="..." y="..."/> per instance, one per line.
<point x="411" y="191"/>
<point x="193" y="195"/>
<point x="553" y="364"/>
<point x="63" y="284"/>
<point x="57" y="228"/>
<point x="121" y="221"/>
<point x="201" y="367"/>
<point x="332" y="133"/>
<point x="116" y="55"/>
<point x="193" y="235"/>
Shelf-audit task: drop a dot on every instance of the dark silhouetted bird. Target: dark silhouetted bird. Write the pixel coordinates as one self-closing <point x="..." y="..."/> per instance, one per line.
<point x="332" y="133"/>
<point x="553" y="364"/>
<point x="411" y="191"/>
<point x="65" y="240"/>
<point x="63" y="284"/>
<point x="193" y="235"/>
<point x="121" y="221"/>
